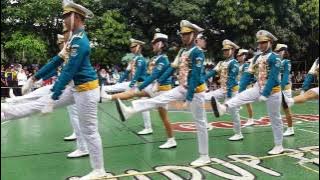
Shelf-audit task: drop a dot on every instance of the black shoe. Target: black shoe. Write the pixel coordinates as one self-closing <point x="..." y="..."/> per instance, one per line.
<point x="214" y="106"/>
<point x="120" y="111"/>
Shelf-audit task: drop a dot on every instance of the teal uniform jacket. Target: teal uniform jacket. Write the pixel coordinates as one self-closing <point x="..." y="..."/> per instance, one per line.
<point x="233" y="71"/>
<point x="161" y="65"/>
<point x="309" y="79"/>
<point x="273" y="73"/>
<point x="78" y="67"/>
<point x="307" y="82"/>
<point x="246" y="78"/>
<point x="50" y="75"/>
<point x="124" y="76"/>
<point x="167" y="74"/>
<point x="141" y="70"/>
<point x="49" y="68"/>
<point x="285" y="72"/>
<point x="196" y="72"/>
<point x="211" y="73"/>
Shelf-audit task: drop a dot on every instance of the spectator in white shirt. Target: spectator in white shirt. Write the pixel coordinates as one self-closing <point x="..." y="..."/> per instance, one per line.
<point x="22" y="79"/>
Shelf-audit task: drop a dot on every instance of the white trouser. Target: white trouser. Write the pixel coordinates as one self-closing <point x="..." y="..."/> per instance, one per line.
<point x="273" y="107"/>
<point x="150" y="90"/>
<point x="42" y="91"/>
<point x="74" y="120"/>
<point x="196" y="107"/>
<point x="234" y="111"/>
<point x="20" y="110"/>
<point x="146" y="114"/>
<point x="119" y="87"/>
<point x="72" y="111"/>
<point x="124" y="86"/>
<point x="316" y="90"/>
<point x="146" y="119"/>
<point x="287" y="93"/>
<point x="86" y="103"/>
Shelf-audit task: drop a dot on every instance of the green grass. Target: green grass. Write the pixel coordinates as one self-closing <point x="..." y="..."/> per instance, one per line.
<point x="33" y="148"/>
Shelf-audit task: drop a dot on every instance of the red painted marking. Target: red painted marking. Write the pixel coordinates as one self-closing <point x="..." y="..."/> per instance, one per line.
<point x="264" y="121"/>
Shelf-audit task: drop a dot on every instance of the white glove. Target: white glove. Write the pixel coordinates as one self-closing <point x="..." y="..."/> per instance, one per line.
<point x="64" y="53"/>
<point x="27" y="86"/>
<point x="301" y="92"/>
<point x="48" y="108"/>
<point x="136" y="90"/>
<point x="263" y="98"/>
<point x="155" y="87"/>
<point x="38" y="83"/>
<point x="175" y="63"/>
<point x="128" y="67"/>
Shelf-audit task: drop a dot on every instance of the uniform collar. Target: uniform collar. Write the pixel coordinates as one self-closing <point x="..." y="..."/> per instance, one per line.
<point x="240" y="64"/>
<point x="229" y="59"/>
<point x="203" y="50"/>
<point x="193" y="45"/>
<point x="160" y="54"/>
<point x="268" y="51"/>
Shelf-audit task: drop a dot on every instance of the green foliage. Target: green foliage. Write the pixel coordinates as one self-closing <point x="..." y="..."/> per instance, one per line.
<point x="294" y="22"/>
<point x="111" y="35"/>
<point x="190" y="9"/>
<point x="27" y="48"/>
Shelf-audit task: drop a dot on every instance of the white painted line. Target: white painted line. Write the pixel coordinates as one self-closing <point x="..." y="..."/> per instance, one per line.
<point x="4" y="122"/>
<point x="308" y="131"/>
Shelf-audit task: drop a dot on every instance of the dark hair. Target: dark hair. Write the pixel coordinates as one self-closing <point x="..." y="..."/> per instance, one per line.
<point x="236" y="52"/>
<point x="286" y="54"/>
<point x="165" y="43"/>
<point x="249" y="55"/>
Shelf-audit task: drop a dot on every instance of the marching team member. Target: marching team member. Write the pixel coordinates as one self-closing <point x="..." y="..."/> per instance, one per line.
<point x="309" y="94"/>
<point x="246" y="80"/>
<point x="310" y="77"/>
<point x="150" y="88"/>
<point x="85" y="92"/>
<point x="227" y="71"/>
<point x="137" y="69"/>
<point x="86" y="97"/>
<point x="158" y="66"/>
<point x="43" y="74"/>
<point x="266" y="68"/>
<point x="201" y="42"/>
<point x="282" y="51"/>
<point x="191" y="89"/>
<point x="122" y="85"/>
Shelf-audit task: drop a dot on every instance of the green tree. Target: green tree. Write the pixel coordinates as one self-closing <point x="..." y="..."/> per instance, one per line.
<point x="110" y="37"/>
<point x="41" y="18"/>
<point x="294" y="22"/>
<point x="28" y="48"/>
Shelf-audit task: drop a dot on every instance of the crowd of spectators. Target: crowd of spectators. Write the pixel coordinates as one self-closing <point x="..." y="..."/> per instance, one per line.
<point x="15" y="76"/>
